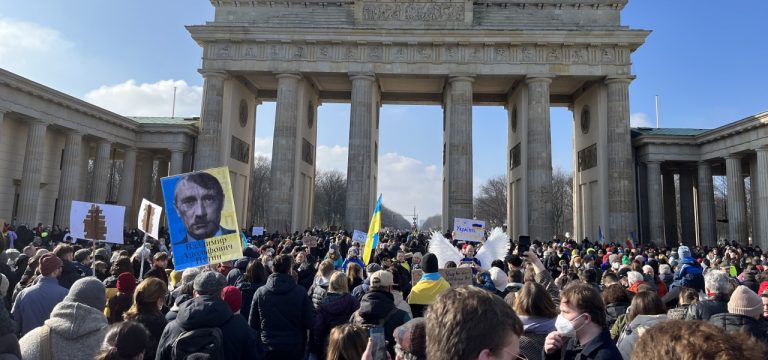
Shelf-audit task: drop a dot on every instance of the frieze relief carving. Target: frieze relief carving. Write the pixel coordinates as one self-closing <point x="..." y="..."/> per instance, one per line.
<point x="436" y="53"/>
<point x="410" y="12"/>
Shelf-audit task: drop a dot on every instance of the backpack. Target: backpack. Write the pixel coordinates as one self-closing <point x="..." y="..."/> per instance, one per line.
<point x="692" y="276"/>
<point x="382" y="322"/>
<point x="208" y="341"/>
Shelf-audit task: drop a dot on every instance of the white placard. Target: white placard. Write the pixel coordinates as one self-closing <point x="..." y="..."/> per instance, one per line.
<point x="359" y="236"/>
<point x="154" y="221"/>
<point x="114" y="219"/>
<point x="468" y="229"/>
<point x="257" y="231"/>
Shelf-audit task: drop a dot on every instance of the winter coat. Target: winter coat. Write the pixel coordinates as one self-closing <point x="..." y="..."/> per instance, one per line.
<point x="282" y="313"/>
<point x="599" y="348"/>
<point x="306" y="275"/>
<point x="82" y="269"/>
<point x="613" y="311"/>
<point x="76" y="332"/>
<point x="155" y="323"/>
<point x="361" y="290"/>
<point x="703" y="310"/>
<point x="636" y="328"/>
<point x="318" y="290"/>
<point x="117" y="306"/>
<point x="9" y="343"/>
<point x="334" y="310"/>
<point x="401" y="303"/>
<point x="209" y="311"/>
<point x="69" y="274"/>
<point x="248" y="289"/>
<point x="34" y="304"/>
<point x="353" y="259"/>
<point x="735" y="322"/>
<point x="375" y="308"/>
<point x="236" y="274"/>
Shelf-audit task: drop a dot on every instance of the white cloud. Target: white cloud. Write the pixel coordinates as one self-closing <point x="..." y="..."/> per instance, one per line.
<point x="262" y="146"/>
<point x="407" y="182"/>
<point x="156" y="99"/>
<point x="20" y="38"/>
<point x="332" y="158"/>
<point x="640" y="119"/>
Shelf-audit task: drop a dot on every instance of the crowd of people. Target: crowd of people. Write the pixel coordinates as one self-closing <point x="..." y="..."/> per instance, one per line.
<point x="561" y="299"/>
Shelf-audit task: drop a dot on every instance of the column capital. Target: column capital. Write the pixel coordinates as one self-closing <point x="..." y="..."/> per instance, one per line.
<point x="257" y="101"/>
<point x="702" y="163"/>
<point x="534" y="78"/>
<point x="653" y="162"/>
<point x="101" y="142"/>
<point x="36" y="121"/>
<point x="461" y="77"/>
<point x="177" y="150"/>
<point x="763" y="148"/>
<point x="131" y="149"/>
<point x="206" y="73"/>
<point x="73" y="132"/>
<point x="619" y="79"/>
<point x="733" y="156"/>
<point x="288" y="75"/>
<point x="362" y="76"/>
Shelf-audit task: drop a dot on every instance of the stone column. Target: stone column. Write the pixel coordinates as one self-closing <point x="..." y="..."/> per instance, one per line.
<point x="655" y="210"/>
<point x="177" y="162"/>
<point x="539" y="156"/>
<point x="101" y="172"/>
<point x="687" y="213"/>
<point x="670" y="208"/>
<point x="761" y="200"/>
<point x="458" y="140"/>
<point x="706" y="196"/>
<point x="127" y="180"/>
<point x="209" y="152"/>
<point x="162" y="171"/>
<point x="32" y="173"/>
<point x="284" y="153"/>
<point x="737" y="211"/>
<point x="2" y="117"/>
<point x="754" y="178"/>
<point x="69" y="183"/>
<point x="622" y="212"/>
<point x="85" y="158"/>
<point x="360" y="167"/>
<point x="143" y="181"/>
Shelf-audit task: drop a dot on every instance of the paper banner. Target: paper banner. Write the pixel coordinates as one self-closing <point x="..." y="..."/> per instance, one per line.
<point x="468" y="229"/>
<point x="149" y="218"/>
<point x="100" y="222"/>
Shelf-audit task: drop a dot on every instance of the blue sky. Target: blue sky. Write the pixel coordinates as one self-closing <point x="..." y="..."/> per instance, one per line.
<point x="706" y="62"/>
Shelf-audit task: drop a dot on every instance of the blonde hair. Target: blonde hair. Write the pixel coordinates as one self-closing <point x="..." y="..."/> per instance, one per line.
<point x="338" y="283"/>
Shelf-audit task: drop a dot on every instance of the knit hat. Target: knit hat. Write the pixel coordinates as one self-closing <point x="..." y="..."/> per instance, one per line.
<point x="209" y="283"/>
<point x="49" y="263"/>
<point x="189" y="275"/>
<point x="88" y="291"/>
<point x="102" y="253"/>
<point x="233" y="297"/>
<point x="381" y="278"/>
<point x="499" y="278"/>
<point x="429" y="263"/>
<point x="82" y="254"/>
<point x="745" y="302"/>
<point x="175" y="277"/>
<point x="412" y="337"/>
<point x="763" y="291"/>
<point x="126" y="283"/>
<point x="372" y="268"/>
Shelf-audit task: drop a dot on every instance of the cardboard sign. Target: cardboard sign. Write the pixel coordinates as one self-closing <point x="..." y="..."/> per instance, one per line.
<point x="97" y="222"/>
<point x="201" y="218"/>
<point x="149" y="218"/>
<point x="359" y="236"/>
<point x="310" y="241"/>
<point x="468" y="230"/>
<point x="454" y="276"/>
<point x="257" y="231"/>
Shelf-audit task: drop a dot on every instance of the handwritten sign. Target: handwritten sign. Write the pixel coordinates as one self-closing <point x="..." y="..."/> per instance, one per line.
<point x="149" y="218"/>
<point x="359" y="236"/>
<point x="454" y="276"/>
<point x="468" y="229"/>
<point x="257" y="231"/>
<point x="310" y="241"/>
<point x="100" y="222"/>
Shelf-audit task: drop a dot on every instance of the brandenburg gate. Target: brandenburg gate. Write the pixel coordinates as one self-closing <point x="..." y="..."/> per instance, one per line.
<point x="526" y="55"/>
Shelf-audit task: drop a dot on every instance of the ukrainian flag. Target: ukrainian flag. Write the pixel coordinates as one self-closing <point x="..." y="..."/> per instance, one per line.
<point x="373" y="232"/>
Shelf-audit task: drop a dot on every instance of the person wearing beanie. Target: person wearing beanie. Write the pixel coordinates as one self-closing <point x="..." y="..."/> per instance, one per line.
<point x="77" y="326"/>
<point x="207" y="310"/>
<point x="411" y="338"/>
<point x="34" y="304"/>
<point x="185" y="287"/>
<point x="744" y="310"/>
<point x="233" y="297"/>
<point x="430" y="285"/>
<point x="118" y="304"/>
<point x="83" y="261"/>
<point x="159" y="263"/>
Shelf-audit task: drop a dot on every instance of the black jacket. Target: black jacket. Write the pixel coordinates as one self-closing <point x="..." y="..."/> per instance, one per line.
<point x="703" y="310"/>
<point x="207" y="311"/>
<point x="69" y="274"/>
<point x="736" y="322"/>
<point x="306" y="274"/>
<point x="601" y="347"/>
<point x="374" y="308"/>
<point x="317" y="291"/>
<point x="282" y="313"/>
<point x="247" y="289"/>
<point x="334" y="310"/>
<point x="155" y="323"/>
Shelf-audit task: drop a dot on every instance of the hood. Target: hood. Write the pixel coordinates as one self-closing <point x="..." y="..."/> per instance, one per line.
<point x="647" y="320"/>
<point x="203" y="311"/>
<point x="280" y="283"/>
<point x="683" y="252"/>
<point x="537" y="325"/>
<point x="72" y="320"/>
<point x="321" y="281"/>
<point x="242" y="263"/>
<point x="376" y="305"/>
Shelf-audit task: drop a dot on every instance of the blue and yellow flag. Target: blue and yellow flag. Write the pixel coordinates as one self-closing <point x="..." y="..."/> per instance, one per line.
<point x="373" y="232"/>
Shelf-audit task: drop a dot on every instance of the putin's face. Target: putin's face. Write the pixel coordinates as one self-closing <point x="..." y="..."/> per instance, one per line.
<point x="199" y="209"/>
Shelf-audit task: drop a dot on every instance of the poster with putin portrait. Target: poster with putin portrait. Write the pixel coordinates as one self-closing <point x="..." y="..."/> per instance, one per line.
<point x="201" y="218"/>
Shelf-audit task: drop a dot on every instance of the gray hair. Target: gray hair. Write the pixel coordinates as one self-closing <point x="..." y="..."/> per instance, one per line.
<point x="664" y="269"/>
<point x="633" y="277"/>
<point x="716" y="281"/>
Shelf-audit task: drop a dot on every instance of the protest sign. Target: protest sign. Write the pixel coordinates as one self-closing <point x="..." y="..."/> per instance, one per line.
<point x="257" y="231"/>
<point x="359" y="236"/>
<point x="149" y="218"/>
<point x="97" y="222"/>
<point x="454" y="276"/>
<point x="201" y="218"/>
<point x="468" y="229"/>
<point x="310" y="241"/>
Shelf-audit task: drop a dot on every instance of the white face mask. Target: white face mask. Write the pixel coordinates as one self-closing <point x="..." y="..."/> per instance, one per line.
<point x="565" y="326"/>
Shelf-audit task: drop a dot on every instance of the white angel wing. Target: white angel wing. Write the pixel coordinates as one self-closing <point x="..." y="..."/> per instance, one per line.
<point x="496" y="247"/>
<point x="442" y="248"/>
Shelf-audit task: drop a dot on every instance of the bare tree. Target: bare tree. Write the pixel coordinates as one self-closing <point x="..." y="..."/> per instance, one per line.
<point x="393" y="219"/>
<point x="330" y="198"/>
<point x="562" y="201"/>
<point x="491" y="201"/>
<point x="259" y="189"/>
<point x="434" y="222"/>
